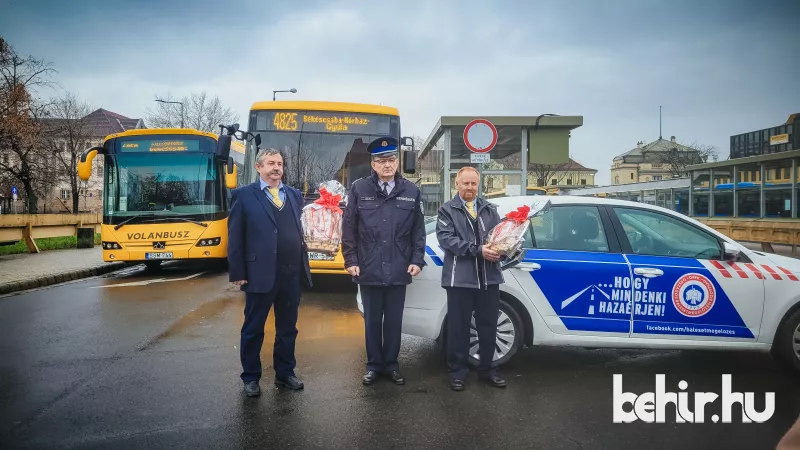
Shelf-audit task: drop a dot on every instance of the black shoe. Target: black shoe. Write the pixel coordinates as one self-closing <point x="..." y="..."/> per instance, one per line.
<point x="456" y="384"/>
<point x="369" y="377"/>
<point x="291" y="382"/>
<point x="251" y="389"/>
<point x="494" y="380"/>
<point x="397" y="377"/>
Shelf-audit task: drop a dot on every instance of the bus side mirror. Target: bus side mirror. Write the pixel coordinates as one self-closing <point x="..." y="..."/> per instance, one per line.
<point x="85" y="163"/>
<point x="257" y="140"/>
<point x="408" y="142"/>
<point x="409" y="161"/>
<point x="223" y="150"/>
<point x="231" y="174"/>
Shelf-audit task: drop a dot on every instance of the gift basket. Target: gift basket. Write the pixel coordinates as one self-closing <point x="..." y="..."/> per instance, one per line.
<point x="506" y="237"/>
<point x="322" y="220"/>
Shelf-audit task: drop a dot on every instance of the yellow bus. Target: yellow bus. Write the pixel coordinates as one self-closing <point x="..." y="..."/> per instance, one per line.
<point x="322" y="141"/>
<point x="165" y="194"/>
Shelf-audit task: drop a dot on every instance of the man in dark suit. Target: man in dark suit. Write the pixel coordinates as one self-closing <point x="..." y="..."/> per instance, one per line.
<point x="267" y="258"/>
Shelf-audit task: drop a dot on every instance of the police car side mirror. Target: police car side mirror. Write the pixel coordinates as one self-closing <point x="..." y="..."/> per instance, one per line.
<point x="730" y="252"/>
<point x="409" y="162"/>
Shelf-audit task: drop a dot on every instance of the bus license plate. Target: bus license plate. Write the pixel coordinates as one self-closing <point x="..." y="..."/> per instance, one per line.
<point x="161" y="255"/>
<point x="319" y="256"/>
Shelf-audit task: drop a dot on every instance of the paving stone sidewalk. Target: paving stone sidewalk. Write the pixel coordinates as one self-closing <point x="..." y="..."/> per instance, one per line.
<point x="28" y="271"/>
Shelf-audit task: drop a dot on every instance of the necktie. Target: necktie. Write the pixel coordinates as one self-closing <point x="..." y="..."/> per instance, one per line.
<point x="275" y="197"/>
<point x="386" y="188"/>
<point x="470" y="209"/>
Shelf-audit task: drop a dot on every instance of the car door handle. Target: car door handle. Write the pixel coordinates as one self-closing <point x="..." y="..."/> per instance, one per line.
<point x="528" y="266"/>
<point x="648" y="272"/>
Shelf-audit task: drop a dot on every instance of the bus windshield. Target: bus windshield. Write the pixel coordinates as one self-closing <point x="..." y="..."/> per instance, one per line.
<point x="172" y="184"/>
<point x="319" y="146"/>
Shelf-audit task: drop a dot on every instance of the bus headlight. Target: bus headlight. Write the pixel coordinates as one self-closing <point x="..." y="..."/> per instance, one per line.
<point x="111" y="246"/>
<point x="209" y="242"/>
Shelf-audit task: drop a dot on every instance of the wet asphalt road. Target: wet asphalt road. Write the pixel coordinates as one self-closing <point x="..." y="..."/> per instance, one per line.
<point x="150" y="360"/>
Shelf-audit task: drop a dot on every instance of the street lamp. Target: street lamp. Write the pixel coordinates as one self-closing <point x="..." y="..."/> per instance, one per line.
<point x="292" y="90"/>
<point x="179" y="103"/>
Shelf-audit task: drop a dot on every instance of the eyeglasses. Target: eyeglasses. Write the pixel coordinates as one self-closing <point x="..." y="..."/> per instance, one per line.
<point x="385" y="162"/>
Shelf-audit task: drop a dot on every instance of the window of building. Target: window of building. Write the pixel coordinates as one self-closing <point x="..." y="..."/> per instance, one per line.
<point x="631" y="176"/>
<point x="656" y="177"/>
<point x="65" y="194"/>
<point x="569" y="181"/>
<point x="583" y="181"/>
<point x="657" y="165"/>
<point x="616" y="179"/>
<point x="99" y="170"/>
<point x="553" y="182"/>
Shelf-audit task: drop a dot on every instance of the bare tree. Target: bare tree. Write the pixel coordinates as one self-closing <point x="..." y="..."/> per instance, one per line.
<point x="679" y="157"/>
<point x="544" y="173"/>
<point x="67" y="133"/>
<point x="19" y="114"/>
<point x="198" y="111"/>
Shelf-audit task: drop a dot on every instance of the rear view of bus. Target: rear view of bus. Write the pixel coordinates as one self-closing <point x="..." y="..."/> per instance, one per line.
<point x="321" y="141"/>
<point x="165" y="194"/>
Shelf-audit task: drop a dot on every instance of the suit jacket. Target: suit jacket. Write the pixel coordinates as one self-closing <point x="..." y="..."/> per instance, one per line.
<point x="253" y="237"/>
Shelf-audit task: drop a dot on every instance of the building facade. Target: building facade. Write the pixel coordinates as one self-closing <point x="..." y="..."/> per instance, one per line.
<point x="656" y="161"/>
<point x="54" y="191"/>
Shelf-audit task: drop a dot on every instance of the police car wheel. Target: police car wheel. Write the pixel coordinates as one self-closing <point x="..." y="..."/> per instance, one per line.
<point x="508" y="340"/>
<point x="787" y="341"/>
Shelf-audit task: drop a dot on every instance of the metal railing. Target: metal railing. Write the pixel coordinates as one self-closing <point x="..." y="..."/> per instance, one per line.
<point x="27" y="227"/>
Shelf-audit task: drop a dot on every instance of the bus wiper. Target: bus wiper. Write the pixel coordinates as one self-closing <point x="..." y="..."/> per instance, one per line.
<point x="184" y="219"/>
<point x="127" y="221"/>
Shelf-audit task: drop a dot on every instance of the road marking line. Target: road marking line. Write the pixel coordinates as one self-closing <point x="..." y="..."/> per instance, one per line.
<point x="146" y="282"/>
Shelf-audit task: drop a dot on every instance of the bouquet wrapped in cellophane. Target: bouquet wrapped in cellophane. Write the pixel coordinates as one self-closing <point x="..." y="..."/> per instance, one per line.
<point x="322" y="220"/>
<point x="506" y="237"/>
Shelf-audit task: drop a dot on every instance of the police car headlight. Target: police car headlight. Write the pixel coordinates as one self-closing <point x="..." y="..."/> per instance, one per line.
<point x="209" y="242"/>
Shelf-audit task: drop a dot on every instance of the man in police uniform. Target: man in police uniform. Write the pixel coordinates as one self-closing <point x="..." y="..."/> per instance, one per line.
<point x="383" y="241"/>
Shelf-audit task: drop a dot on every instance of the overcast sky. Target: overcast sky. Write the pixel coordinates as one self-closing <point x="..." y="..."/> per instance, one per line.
<point x="718" y="68"/>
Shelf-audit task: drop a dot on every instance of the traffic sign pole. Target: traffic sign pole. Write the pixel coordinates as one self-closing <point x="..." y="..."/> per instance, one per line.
<point x="480" y="136"/>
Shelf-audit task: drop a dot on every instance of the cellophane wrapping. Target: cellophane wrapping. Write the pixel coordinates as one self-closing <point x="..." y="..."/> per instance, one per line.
<point x="506" y="237"/>
<point x="322" y="220"/>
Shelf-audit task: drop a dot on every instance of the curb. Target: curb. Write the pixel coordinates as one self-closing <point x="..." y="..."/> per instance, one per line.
<point x="47" y="280"/>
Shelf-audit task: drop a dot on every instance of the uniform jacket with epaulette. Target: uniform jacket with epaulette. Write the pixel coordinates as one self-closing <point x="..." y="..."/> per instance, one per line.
<point x="383" y="235"/>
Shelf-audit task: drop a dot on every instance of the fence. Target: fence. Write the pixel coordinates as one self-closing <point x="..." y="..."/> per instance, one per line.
<point x="27" y="227"/>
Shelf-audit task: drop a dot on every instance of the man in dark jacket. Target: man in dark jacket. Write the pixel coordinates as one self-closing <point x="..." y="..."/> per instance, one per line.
<point x="471" y="276"/>
<point x="383" y="241"/>
<point x="267" y="258"/>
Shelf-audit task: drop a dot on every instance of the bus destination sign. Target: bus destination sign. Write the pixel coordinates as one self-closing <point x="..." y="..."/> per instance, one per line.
<point x="323" y="122"/>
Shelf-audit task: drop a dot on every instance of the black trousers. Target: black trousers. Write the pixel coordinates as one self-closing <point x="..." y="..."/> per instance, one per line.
<point x="383" y="322"/>
<point x="461" y="302"/>
<point x="285" y="295"/>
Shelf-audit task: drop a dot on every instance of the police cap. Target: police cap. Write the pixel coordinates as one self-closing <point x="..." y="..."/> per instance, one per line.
<point x="383" y="147"/>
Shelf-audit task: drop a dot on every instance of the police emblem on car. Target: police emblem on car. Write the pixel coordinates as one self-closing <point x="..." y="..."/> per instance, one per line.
<point x="693" y="295"/>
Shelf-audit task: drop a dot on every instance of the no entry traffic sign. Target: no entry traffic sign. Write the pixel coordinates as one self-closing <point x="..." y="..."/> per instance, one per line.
<point x="480" y="136"/>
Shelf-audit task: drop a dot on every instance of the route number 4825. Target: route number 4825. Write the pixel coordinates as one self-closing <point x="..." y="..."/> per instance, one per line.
<point x="285" y="121"/>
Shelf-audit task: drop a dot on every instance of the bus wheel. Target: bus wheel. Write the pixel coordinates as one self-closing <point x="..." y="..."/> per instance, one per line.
<point x="153" y="265"/>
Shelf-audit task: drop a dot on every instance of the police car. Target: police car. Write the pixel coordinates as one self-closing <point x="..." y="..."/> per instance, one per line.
<point x="610" y="273"/>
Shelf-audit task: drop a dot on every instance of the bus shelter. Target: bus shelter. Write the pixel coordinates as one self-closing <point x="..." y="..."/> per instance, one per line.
<point x="522" y="141"/>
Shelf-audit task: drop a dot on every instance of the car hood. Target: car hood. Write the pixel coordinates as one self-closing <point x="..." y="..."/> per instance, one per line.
<point x="788" y="263"/>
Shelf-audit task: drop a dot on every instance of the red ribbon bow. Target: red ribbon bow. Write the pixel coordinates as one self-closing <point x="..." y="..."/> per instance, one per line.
<point x="328" y="200"/>
<point x="520" y="215"/>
